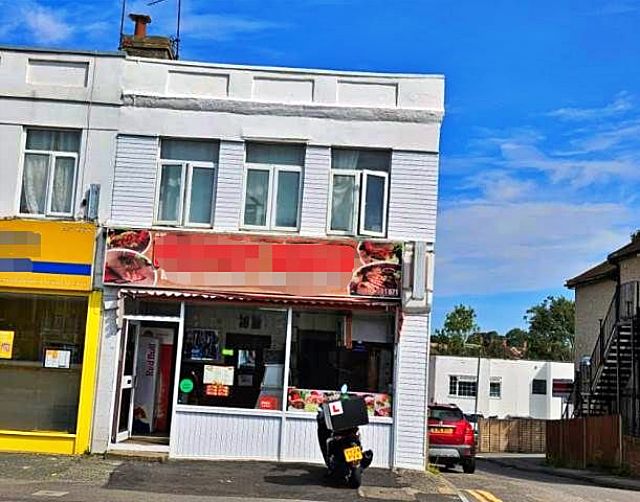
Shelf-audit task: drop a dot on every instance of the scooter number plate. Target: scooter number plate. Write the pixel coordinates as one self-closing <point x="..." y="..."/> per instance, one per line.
<point x="353" y="454"/>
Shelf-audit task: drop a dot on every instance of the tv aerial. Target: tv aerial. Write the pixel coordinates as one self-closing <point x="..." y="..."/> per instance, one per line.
<point x="174" y="40"/>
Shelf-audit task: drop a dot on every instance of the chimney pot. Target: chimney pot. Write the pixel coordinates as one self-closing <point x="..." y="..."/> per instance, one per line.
<point x="141" y="20"/>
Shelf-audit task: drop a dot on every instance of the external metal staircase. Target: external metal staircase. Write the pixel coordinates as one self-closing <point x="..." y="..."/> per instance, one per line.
<point x="608" y="382"/>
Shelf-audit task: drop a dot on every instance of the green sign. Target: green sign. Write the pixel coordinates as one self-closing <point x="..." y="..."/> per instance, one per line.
<point x="227" y="352"/>
<point x="186" y="385"/>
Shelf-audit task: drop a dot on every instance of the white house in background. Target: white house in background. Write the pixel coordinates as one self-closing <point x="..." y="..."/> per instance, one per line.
<point x="505" y="387"/>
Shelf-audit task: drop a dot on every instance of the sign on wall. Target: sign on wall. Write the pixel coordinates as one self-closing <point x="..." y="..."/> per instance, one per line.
<point x="561" y="387"/>
<point x="6" y="344"/>
<point x="253" y="264"/>
<point x="46" y="254"/>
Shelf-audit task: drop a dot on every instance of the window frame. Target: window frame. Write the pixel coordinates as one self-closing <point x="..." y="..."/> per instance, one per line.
<point x="274" y="171"/>
<point x="546" y="387"/>
<point x="51" y="166"/>
<point x="495" y="381"/>
<point x="462" y="379"/>
<point x="359" y="209"/>
<point x="365" y="174"/>
<point x="186" y="178"/>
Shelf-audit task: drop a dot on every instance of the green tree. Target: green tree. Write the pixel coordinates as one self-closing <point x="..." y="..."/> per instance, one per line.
<point x="551" y="329"/>
<point x="459" y="325"/>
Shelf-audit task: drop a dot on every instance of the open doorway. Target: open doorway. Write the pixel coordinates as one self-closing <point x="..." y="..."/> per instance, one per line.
<point x="146" y="369"/>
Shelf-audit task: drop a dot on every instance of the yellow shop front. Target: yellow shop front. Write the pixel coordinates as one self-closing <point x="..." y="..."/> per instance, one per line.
<point x="49" y="329"/>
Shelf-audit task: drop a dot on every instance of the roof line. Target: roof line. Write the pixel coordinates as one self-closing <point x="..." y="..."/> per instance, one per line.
<point x="53" y="50"/>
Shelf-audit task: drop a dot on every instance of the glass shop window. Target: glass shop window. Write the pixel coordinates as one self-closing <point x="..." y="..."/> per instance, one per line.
<point x="233" y="357"/>
<point x="331" y="349"/>
<point x="41" y="349"/>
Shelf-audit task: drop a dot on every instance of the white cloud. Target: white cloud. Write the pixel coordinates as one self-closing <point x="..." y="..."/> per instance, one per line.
<point x="622" y="103"/>
<point x="485" y="248"/>
<point x="223" y="27"/>
<point x="46" y="25"/>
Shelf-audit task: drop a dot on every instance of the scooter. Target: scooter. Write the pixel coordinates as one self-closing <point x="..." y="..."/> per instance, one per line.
<point x="342" y="450"/>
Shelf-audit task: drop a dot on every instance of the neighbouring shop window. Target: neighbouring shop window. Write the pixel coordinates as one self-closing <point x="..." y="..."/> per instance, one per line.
<point x="332" y="349"/>
<point x="186" y="181"/>
<point x="42" y="341"/>
<point x="233" y="357"/>
<point x="273" y="181"/>
<point x="462" y="386"/>
<point x="49" y="172"/>
<point x="359" y="191"/>
<point x="495" y="388"/>
<point x="539" y="387"/>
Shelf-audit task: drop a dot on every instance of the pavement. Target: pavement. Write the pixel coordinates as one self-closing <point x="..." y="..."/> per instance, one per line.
<point x="93" y="478"/>
<point x="537" y="463"/>
<point x="497" y="479"/>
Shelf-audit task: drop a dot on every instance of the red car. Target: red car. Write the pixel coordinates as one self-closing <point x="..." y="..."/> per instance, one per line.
<point x="451" y="438"/>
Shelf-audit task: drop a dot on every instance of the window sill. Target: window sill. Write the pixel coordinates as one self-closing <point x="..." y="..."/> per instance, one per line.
<point x="266" y="230"/>
<point x="214" y="410"/>
<point x="460" y="397"/>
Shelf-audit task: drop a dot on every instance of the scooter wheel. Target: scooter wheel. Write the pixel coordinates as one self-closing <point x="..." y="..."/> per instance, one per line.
<point x="355" y="479"/>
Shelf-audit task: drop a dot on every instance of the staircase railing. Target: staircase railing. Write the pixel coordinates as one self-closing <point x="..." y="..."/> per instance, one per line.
<point x="607" y="328"/>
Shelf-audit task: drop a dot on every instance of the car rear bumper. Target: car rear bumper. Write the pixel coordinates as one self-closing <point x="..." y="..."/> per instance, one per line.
<point x="451" y="451"/>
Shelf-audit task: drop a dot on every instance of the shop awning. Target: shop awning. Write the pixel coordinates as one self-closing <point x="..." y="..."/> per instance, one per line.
<point x="327" y="302"/>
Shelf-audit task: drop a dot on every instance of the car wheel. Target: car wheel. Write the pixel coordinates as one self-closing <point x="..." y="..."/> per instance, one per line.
<point x="469" y="465"/>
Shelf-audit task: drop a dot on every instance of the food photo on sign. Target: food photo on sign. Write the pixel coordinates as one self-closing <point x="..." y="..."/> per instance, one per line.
<point x="307" y="400"/>
<point x="258" y="264"/>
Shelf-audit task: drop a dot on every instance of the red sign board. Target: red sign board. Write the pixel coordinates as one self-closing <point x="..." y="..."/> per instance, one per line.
<point x="268" y="403"/>
<point x="253" y="264"/>
<point x="561" y="388"/>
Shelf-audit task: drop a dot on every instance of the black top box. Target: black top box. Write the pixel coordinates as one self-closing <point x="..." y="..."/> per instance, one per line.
<point x="345" y="414"/>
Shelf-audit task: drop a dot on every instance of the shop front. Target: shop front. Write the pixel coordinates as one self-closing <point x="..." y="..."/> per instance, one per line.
<point x="228" y="344"/>
<point x="49" y="328"/>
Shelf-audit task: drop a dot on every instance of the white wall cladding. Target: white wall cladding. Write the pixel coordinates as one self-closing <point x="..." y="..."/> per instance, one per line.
<point x="410" y="392"/>
<point x="301" y="441"/>
<point x="413" y="196"/>
<point x="212" y="435"/>
<point x="134" y="181"/>
<point x="229" y="186"/>
<point x="315" y="191"/>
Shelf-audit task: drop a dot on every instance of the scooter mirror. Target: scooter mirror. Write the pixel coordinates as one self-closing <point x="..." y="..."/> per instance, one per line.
<point x="344" y="388"/>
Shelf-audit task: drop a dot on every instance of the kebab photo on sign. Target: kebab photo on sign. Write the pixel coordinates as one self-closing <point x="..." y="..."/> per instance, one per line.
<point x="380" y="272"/>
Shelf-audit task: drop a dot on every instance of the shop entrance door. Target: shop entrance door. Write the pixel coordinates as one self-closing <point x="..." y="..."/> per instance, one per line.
<point x="147" y="370"/>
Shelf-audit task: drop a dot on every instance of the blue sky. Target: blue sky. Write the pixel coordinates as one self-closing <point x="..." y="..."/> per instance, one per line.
<point x="541" y="142"/>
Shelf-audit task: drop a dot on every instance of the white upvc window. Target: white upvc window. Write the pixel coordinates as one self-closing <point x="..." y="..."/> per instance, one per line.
<point x="186" y="183"/>
<point x="49" y="172"/>
<point x="272" y="187"/>
<point x="359" y="189"/>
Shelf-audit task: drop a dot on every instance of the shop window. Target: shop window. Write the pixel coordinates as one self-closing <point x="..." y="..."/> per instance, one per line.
<point x="273" y="181"/>
<point x="359" y="192"/>
<point x="42" y="341"/>
<point x="332" y="349"/>
<point x="186" y="181"/>
<point x="495" y="388"/>
<point x="49" y="172"/>
<point x="233" y="357"/>
<point x="462" y="386"/>
<point x="539" y="387"/>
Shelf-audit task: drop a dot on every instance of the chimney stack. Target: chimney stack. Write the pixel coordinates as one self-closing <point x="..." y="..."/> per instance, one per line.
<point x="140" y="44"/>
<point x="141" y="20"/>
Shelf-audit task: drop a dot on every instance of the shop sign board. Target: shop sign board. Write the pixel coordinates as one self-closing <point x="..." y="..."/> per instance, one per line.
<point x="6" y="344"/>
<point x="253" y="264"/>
<point x="47" y="255"/>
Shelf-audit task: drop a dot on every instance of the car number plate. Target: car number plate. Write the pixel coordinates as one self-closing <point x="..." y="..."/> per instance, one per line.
<point x="353" y="454"/>
<point x="441" y="430"/>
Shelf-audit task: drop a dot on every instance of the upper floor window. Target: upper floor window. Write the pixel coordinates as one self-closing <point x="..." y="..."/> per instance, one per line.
<point x="539" y="387"/>
<point x="50" y="171"/>
<point x="359" y="188"/>
<point x="273" y="181"/>
<point x="185" y="189"/>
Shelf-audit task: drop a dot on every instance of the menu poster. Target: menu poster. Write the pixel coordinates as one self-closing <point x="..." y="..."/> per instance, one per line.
<point x="56" y="358"/>
<point x="221" y="375"/>
<point x="6" y="344"/>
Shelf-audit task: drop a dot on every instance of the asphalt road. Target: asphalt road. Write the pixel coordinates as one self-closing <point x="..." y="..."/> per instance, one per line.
<point x="494" y="483"/>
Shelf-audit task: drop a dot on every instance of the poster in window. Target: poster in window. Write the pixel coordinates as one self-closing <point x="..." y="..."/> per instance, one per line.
<point x="202" y="345"/>
<point x="55" y="358"/>
<point x="221" y="375"/>
<point x="6" y="344"/>
<point x="247" y="359"/>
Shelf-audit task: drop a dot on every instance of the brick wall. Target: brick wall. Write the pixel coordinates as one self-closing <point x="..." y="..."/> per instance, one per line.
<point x="631" y="454"/>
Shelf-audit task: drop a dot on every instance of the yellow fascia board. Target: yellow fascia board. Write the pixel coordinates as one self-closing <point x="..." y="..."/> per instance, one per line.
<point x="37" y="442"/>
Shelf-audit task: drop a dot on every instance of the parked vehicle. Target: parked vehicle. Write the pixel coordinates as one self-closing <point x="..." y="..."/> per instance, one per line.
<point x="339" y="438"/>
<point x="451" y="438"/>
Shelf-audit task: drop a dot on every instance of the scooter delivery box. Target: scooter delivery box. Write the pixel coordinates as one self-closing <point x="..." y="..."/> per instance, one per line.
<point x="345" y="413"/>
